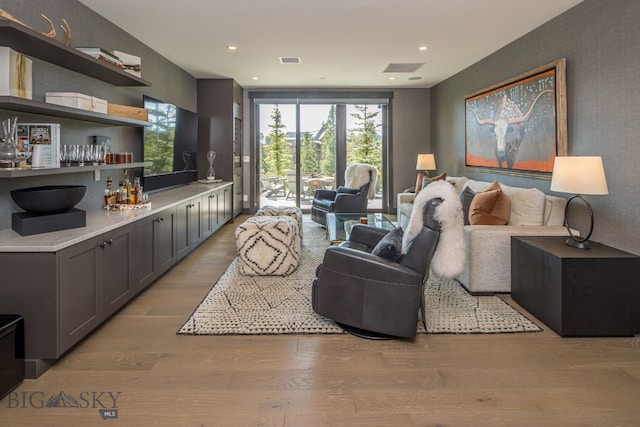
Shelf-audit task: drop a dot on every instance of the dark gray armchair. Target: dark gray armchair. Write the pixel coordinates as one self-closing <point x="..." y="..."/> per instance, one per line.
<point x="375" y="294"/>
<point x="361" y="180"/>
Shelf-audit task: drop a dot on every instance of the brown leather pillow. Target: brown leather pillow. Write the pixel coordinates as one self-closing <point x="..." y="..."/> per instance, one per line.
<point x="428" y="180"/>
<point x="490" y="207"/>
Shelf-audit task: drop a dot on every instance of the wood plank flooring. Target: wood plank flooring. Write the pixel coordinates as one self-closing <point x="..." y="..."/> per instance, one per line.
<point x="164" y="379"/>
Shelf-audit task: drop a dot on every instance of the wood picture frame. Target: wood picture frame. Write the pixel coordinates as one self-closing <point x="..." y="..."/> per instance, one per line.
<point x="518" y="126"/>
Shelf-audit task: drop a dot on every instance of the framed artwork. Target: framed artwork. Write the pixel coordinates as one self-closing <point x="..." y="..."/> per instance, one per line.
<point x="519" y="126"/>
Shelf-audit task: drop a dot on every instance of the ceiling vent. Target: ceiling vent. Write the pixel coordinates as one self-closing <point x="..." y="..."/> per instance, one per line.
<point x="290" y="60"/>
<point x="403" y="67"/>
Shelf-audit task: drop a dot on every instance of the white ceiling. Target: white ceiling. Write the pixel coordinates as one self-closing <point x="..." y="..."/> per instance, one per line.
<point x="341" y="43"/>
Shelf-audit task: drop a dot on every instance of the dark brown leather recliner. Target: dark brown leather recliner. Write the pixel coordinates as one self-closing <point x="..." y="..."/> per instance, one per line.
<point x="363" y="291"/>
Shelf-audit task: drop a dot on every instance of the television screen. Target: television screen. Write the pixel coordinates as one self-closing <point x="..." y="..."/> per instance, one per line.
<point x="170" y="144"/>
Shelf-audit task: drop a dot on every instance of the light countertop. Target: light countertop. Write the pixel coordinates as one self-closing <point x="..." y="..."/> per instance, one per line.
<point x="101" y="221"/>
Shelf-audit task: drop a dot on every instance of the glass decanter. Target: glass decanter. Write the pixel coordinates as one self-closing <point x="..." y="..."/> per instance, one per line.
<point x="211" y="156"/>
<point x="9" y="155"/>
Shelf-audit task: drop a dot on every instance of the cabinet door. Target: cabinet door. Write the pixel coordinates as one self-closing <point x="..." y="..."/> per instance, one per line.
<point x="189" y="226"/>
<point x="117" y="268"/>
<point x="146" y="264"/>
<point x="209" y="213"/>
<point x="228" y="204"/>
<point x="166" y="239"/>
<point x="80" y="294"/>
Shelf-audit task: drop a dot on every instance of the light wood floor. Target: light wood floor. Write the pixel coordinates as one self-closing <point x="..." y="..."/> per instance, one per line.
<point x="530" y="379"/>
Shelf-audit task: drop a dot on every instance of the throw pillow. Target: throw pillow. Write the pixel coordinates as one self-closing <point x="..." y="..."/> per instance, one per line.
<point x="428" y="180"/>
<point x="490" y="207"/>
<point x="390" y="246"/>
<point x="465" y="200"/>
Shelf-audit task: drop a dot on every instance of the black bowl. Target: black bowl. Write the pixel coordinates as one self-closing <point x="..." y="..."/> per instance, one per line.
<point x="48" y="199"/>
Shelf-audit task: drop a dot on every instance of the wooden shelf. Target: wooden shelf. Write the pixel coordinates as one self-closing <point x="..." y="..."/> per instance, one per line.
<point x="32" y="43"/>
<point x="20" y="173"/>
<point x="38" y="107"/>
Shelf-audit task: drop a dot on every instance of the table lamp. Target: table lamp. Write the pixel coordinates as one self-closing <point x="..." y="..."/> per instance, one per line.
<point x="425" y="163"/>
<point x="579" y="175"/>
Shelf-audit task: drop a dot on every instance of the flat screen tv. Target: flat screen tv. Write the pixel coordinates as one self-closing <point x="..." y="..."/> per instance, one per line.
<point x="170" y="144"/>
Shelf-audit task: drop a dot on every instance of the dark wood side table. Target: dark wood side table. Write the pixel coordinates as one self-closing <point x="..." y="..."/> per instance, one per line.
<point x="576" y="292"/>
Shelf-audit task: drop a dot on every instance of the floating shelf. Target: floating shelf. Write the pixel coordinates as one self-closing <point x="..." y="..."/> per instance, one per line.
<point x="20" y="173"/>
<point x="32" y="43"/>
<point x="38" y="107"/>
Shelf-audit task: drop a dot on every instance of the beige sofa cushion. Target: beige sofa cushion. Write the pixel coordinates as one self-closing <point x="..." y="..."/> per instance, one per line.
<point x="527" y="205"/>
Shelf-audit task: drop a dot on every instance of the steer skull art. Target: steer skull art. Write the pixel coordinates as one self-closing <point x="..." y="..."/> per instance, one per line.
<point x="508" y="128"/>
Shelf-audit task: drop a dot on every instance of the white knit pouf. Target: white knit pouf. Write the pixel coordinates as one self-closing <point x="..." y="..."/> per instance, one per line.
<point x="291" y="211"/>
<point x="268" y="246"/>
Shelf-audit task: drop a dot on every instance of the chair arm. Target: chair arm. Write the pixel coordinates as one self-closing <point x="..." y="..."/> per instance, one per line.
<point x="365" y="266"/>
<point x="324" y="194"/>
<point x="405" y="198"/>
<point x="369" y="236"/>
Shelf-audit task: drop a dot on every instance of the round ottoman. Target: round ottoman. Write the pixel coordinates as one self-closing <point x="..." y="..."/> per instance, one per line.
<point x="291" y="211"/>
<point x="268" y="246"/>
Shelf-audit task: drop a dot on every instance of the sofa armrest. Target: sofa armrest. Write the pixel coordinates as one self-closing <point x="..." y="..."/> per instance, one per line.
<point x="488" y="263"/>
<point x="405" y="198"/>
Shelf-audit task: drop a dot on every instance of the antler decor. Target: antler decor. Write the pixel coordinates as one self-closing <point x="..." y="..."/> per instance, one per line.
<point x="52" y="32"/>
<point x="67" y="31"/>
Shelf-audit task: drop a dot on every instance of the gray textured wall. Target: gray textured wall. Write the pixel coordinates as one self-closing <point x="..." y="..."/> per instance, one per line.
<point x="601" y="41"/>
<point x="169" y="83"/>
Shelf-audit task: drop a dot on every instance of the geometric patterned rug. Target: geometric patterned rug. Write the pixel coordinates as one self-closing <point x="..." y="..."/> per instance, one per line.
<point x="260" y="305"/>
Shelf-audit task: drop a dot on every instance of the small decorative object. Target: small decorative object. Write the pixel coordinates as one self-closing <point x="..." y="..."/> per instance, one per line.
<point x="52" y="32"/>
<point x="579" y="175"/>
<point x="211" y="156"/>
<point x="186" y="158"/>
<point x="9" y="156"/>
<point x="15" y="74"/>
<point x="67" y="32"/>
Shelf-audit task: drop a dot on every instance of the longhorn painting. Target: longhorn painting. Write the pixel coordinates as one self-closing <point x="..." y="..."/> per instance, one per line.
<point x="515" y="126"/>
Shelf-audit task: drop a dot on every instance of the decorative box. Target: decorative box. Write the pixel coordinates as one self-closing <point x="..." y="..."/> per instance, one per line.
<point x="137" y="113"/>
<point x="15" y="74"/>
<point x="77" y="100"/>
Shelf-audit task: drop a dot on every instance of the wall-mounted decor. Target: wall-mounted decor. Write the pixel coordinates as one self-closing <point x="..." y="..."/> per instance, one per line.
<point x="519" y="125"/>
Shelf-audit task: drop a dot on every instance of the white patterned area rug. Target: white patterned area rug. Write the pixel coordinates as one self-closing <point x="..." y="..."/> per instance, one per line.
<point x="259" y="305"/>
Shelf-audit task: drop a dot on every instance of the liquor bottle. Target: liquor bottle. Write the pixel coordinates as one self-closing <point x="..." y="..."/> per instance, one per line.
<point x="126" y="189"/>
<point x="133" y="194"/>
<point x="124" y="196"/>
<point x="109" y="195"/>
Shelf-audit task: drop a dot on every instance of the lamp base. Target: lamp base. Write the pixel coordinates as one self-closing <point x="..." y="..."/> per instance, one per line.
<point x="577" y="244"/>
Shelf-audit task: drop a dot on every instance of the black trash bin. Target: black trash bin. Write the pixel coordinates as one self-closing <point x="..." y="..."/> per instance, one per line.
<point x="11" y="352"/>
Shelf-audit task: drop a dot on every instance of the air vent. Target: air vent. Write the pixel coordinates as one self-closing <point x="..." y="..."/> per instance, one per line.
<point x="290" y="60"/>
<point x="403" y="68"/>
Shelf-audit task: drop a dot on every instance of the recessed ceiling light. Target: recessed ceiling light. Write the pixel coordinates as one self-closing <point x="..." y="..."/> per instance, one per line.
<point x="231" y="47"/>
<point x="423" y="48"/>
<point x="392" y="78"/>
<point x="415" y="78"/>
<point x="254" y="78"/>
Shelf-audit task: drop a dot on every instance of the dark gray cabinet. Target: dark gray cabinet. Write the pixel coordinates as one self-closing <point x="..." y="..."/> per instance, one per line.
<point x="154" y="247"/>
<point x="64" y="295"/>
<point x="95" y="279"/>
<point x="220" y="129"/>
<point x="188" y="226"/>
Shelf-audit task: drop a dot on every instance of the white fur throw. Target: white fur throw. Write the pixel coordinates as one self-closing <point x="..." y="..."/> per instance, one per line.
<point x="357" y="175"/>
<point x="448" y="260"/>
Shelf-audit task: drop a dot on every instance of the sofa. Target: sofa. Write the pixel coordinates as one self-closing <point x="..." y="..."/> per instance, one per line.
<point x="488" y="247"/>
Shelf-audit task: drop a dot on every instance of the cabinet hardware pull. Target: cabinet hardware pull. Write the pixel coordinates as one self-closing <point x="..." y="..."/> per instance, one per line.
<point x="110" y="241"/>
<point x="161" y="218"/>
<point x="102" y="245"/>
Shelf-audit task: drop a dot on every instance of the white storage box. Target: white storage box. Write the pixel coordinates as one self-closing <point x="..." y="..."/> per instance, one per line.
<point x="15" y="74"/>
<point x="77" y="100"/>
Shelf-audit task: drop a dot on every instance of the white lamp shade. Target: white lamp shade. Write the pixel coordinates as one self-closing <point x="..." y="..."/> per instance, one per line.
<point x="426" y="162"/>
<point x="579" y="175"/>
